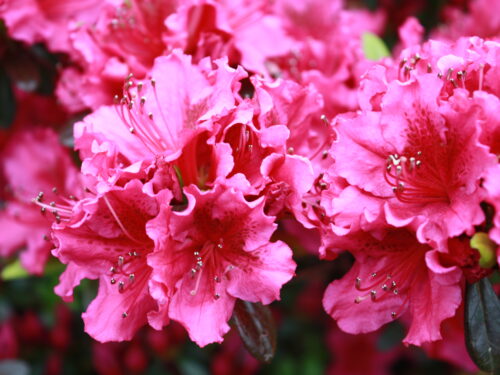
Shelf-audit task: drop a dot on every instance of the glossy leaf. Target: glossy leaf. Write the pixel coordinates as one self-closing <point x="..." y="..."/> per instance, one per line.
<point x="482" y="326"/>
<point x="255" y="325"/>
<point x="14" y="271"/>
<point x="374" y="48"/>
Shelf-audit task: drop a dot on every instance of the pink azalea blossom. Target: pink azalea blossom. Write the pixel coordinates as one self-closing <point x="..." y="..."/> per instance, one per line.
<point x="300" y="108"/>
<point x="236" y="29"/>
<point x="480" y="20"/>
<point x="327" y="51"/>
<point x="210" y="254"/>
<point x="125" y="38"/>
<point x="391" y="276"/>
<point x="35" y="165"/>
<point x="419" y="154"/>
<point x="156" y="118"/>
<point x="47" y="21"/>
<point x="106" y="239"/>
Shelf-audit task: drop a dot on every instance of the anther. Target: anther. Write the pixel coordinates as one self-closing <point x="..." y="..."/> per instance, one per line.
<point x="52" y="204"/>
<point x="373" y="274"/>
<point x="393" y="315"/>
<point x="358" y="282"/>
<point x="45" y="237"/>
<point x="373" y="295"/>
<point x="220" y="246"/>
<point x="113" y="281"/>
<point x="324" y="155"/>
<point x="42" y="210"/>
<point x="395" y="291"/>
<point x="143" y="100"/>
<point x="357" y="300"/>
<point x="325" y="120"/>
<point x="153" y="82"/>
<point x="124" y="315"/>
<point x="121" y="285"/>
<point x="120" y="260"/>
<point x="217" y="296"/>
<point x="131" y="277"/>
<point x="216" y="279"/>
<point x="291" y="150"/>
<point x="112" y="269"/>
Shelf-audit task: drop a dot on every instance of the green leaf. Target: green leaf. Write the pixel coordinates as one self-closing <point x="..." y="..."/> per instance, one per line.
<point x="14" y="271"/>
<point x="482" y="326"/>
<point x="374" y="48"/>
<point x="257" y="330"/>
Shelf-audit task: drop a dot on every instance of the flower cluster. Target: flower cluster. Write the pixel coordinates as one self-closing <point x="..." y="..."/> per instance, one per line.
<point x="205" y="125"/>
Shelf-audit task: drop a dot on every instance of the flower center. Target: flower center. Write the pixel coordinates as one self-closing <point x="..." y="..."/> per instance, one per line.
<point x="207" y="267"/>
<point x="414" y="181"/>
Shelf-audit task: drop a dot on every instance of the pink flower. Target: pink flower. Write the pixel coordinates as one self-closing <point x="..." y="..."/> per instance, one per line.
<point x="300" y="108"/>
<point x="289" y="179"/>
<point x="420" y="155"/>
<point x="35" y="165"/>
<point x="236" y="29"/>
<point x="124" y="39"/>
<point x="393" y="275"/>
<point x="327" y="52"/>
<point x="106" y="239"/>
<point x="47" y="21"/>
<point x="480" y="21"/>
<point x="156" y="118"/>
<point x="213" y="252"/>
